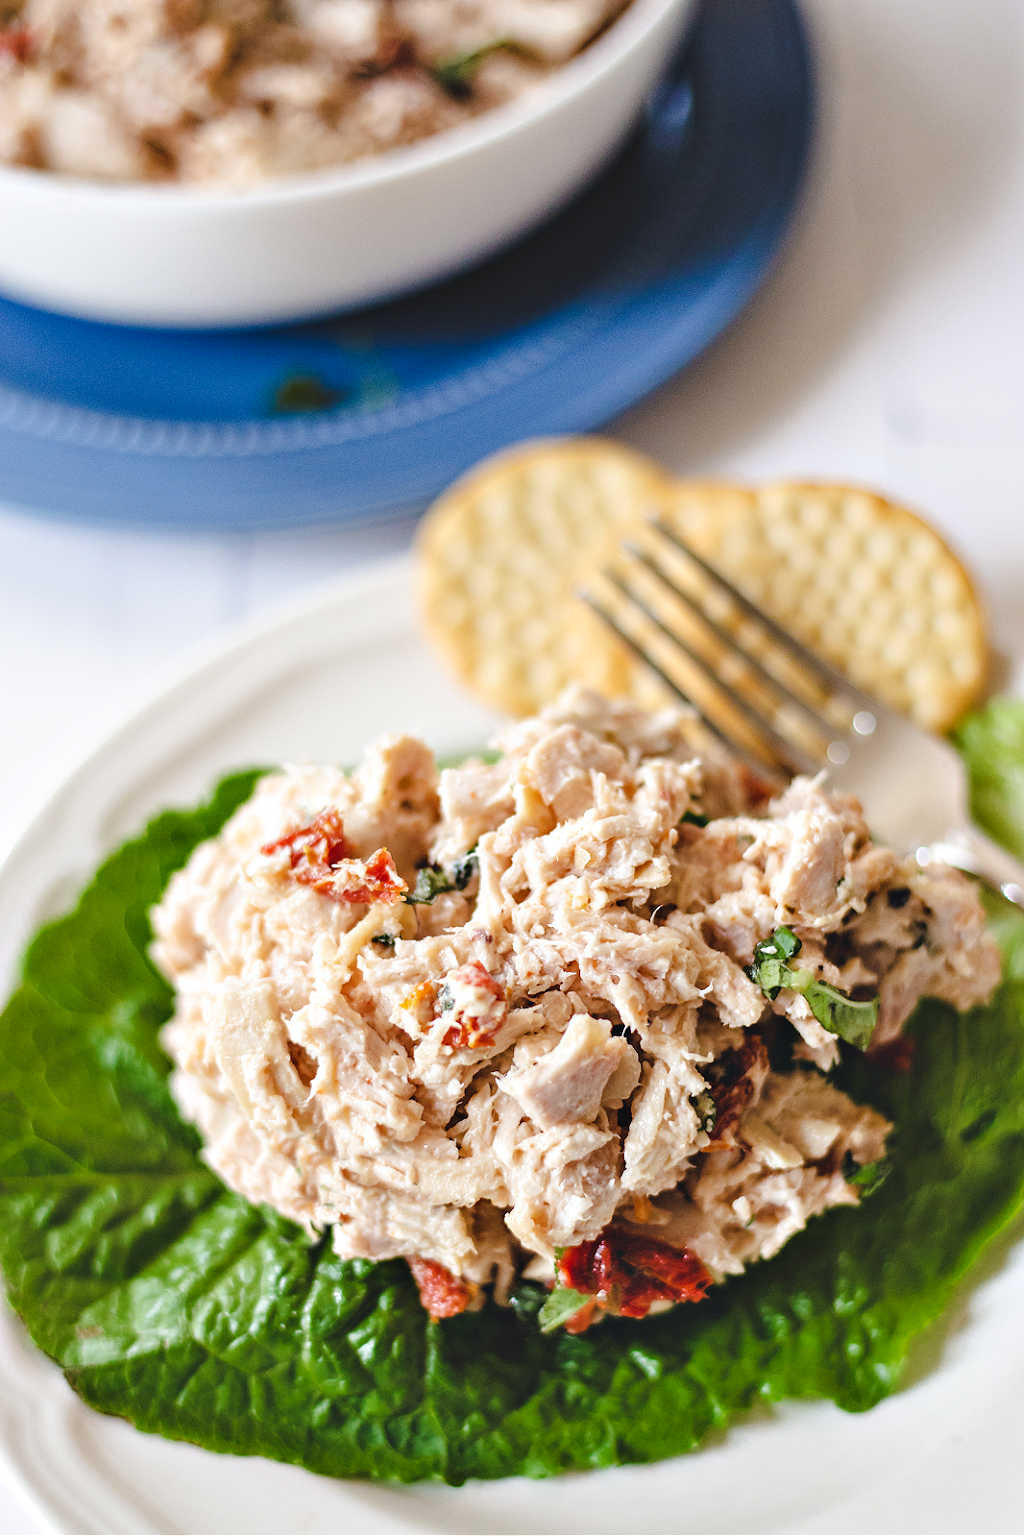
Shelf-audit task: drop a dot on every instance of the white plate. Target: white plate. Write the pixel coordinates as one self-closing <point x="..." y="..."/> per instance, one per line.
<point x="940" y="1456"/>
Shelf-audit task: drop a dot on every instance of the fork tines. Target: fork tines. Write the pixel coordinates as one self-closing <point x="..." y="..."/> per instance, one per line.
<point x="754" y="686"/>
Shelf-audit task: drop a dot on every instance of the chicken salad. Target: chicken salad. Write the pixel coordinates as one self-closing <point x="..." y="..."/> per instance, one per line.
<point x="569" y="1015"/>
<point x="236" y="91"/>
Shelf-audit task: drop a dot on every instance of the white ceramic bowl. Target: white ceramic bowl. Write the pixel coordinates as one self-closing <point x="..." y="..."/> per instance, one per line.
<point x="170" y="255"/>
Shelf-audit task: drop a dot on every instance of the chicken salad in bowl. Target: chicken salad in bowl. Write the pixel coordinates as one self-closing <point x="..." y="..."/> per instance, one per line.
<point x="233" y="91"/>
<point x="246" y="170"/>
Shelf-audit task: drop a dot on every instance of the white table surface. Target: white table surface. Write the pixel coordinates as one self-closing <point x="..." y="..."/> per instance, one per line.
<point x="886" y="349"/>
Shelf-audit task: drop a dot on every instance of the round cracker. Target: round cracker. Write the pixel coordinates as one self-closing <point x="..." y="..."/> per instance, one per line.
<point x="500" y="557"/>
<point x="858" y="578"/>
<point x="855" y="576"/>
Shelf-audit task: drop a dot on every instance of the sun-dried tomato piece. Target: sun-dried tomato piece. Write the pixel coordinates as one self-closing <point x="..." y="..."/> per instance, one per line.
<point x="477" y="1003"/>
<point x="420" y="1002"/>
<point x="677" y="1269"/>
<point x="576" y="1267"/>
<point x="638" y="1295"/>
<point x="731" y="1083"/>
<point x="467" y="1035"/>
<point x="376" y="880"/>
<point x="896" y="1055"/>
<point x="581" y="1320"/>
<point x="441" y="1292"/>
<point x="591" y="1267"/>
<point x="626" y="1274"/>
<point x="318" y="857"/>
<point x="17" y="42"/>
<point x="605" y="1269"/>
<point x="313" y="851"/>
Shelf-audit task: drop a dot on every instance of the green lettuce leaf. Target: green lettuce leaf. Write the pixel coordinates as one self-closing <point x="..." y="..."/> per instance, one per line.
<point x="992" y="744"/>
<point x="172" y="1302"/>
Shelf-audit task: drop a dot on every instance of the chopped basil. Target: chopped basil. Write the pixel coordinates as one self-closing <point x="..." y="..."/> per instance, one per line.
<point x="866" y="1177"/>
<point x="693" y="819"/>
<point x="465" y="868"/>
<point x="707" y="1111"/>
<point x="840" y="1015"/>
<point x="445" y="1000"/>
<point x="384" y="940"/>
<point x="455" y="73"/>
<point x="431" y="881"/>
<point x="770" y="958"/>
<point x="561" y="1305"/>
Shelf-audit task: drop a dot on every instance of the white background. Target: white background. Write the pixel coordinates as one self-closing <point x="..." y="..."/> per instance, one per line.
<point x="887" y="348"/>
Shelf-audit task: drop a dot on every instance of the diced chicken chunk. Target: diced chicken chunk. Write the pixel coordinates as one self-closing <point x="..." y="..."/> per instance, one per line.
<point x="571" y="1082"/>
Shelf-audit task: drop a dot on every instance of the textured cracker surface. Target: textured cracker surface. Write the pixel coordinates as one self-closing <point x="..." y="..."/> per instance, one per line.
<point x="501" y="555"/>
<point x="858" y="578"/>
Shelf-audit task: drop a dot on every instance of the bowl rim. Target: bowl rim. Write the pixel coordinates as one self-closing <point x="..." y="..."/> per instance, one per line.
<point x="588" y="68"/>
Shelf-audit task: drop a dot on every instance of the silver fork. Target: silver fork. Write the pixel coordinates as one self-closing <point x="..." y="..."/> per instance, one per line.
<point x="795" y="713"/>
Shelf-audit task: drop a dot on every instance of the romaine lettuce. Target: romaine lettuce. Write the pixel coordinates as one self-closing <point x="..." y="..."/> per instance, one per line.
<point x="173" y="1303"/>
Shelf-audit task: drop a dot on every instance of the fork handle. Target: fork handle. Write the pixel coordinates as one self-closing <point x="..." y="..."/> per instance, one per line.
<point x="971" y="850"/>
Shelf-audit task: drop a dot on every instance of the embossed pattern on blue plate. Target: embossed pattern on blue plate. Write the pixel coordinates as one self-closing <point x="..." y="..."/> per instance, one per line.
<point x="365" y="414"/>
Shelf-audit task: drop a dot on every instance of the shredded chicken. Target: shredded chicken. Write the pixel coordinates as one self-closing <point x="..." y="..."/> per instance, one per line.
<point x="544" y="1028"/>
<point x="239" y="90"/>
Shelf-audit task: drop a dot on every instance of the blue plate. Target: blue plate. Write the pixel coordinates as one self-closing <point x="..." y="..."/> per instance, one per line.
<point x="366" y="414"/>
